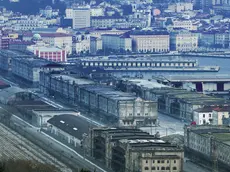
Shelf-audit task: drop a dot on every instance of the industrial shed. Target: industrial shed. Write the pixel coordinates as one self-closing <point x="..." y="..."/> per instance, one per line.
<point x="11" y="95"/>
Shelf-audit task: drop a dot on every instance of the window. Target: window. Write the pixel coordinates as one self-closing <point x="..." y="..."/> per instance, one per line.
<point x="210" y="115"/>
<point x="153" y="168"/>
<point x="174" y="168"/>
<point x="138" y="114"/>
<point x="162" y="168"/>
<point x="203" y="115"/>
<point x="130" y="114"/>
<point x="174" y="161"/>
<point x="167" y="168"/>
<point x="168" y="161"/>
<point x="158" y="168"/>
<point x="146" y="114"/>
<point x="158" y="161"/>
<point x="146" y="161"/>
<point x="153" y="161"/>
<point x="146" y="168"/>
<point x="162" y="161"/>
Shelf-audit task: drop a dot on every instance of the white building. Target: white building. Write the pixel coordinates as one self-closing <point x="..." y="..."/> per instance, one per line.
<point x="116" y="42"/>
<point x="219" y="113"/>
<point x="179" y="7"/>
<point x="60" y="40"/>
<point x="186" y="24"/>
<point x="82" y="43"/>
<point x="28" y="23"/>
<point x="183" y="41"/>
<point x="96" y="11"/>
<point x="69" y="13"/>
<point x="150" y="41"/>
<point x="203" y="115"/>
<point x="98" y="32"/>
<point x="81" y="17"/>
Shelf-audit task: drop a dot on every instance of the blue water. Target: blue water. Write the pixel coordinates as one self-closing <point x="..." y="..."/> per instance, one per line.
<point x="203" y="61"/>
<point x="223" y="63"/>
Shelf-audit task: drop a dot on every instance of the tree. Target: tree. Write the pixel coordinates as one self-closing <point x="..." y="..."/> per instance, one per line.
<point x="26" y="166"/>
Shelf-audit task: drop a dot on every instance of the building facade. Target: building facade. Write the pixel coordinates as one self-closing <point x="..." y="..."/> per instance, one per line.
<point x="116" y="42"/>
<point x="149" y="42"/>
<point x="208" y="142"/>
<point x="125" y="150"/>
<point x="124" y="109"/>
<point x="60" y="40"/>
<point x="183" y="41"/>
<point x="105" y="21"/>
<point x="95" y="45"/>
<point x="81" y="17"/>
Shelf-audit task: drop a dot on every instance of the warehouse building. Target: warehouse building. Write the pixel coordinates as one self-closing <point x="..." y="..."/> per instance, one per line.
<point x="176" y="102"/>
<point x="28" y="68"/>
<point x="207" y="84"/>
<point x="123" y="109"/>
<point x="13" y="95"/>
<point x="209" y="144"/>
<point x="132" y="150"/>
<point x="69" y="128"/>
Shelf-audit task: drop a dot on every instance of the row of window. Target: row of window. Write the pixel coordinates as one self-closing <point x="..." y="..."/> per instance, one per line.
<point x="160" y="161"/>
<point x="160" y="168"/>
<point x="134" y="64"/>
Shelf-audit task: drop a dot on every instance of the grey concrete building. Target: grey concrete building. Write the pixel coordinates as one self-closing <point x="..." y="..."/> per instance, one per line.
<point x="28" y="68"/>
<point x="132" y="150"/>
<point x="123" y="109"/>
<point x="210" y="143"/>
<point x="177" y="102"/>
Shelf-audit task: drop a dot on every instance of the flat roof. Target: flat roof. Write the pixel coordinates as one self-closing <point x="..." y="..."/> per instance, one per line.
<point x="72" y="78"/>
<point x="196" y="78"/>
<point x="146" y="83"/>
<point x="223" y="137"/>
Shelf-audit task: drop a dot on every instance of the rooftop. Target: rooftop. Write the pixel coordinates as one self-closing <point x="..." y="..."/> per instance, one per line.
<point x="73" y="78"/>
<point x="223" y="137"/>
<point x="196" y="78"/>
<point x="71" y="124"/>
<point x="146" y="83"/>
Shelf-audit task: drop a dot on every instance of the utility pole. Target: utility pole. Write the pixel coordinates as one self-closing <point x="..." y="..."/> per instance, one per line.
<point x="214" y="157"/>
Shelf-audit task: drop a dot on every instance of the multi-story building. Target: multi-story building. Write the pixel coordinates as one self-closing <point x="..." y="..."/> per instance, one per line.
<point x="150" y="41"/>
<point x="105" y="21"/>
<point x="48" y="52"/>
<point x="60" y="40"/>
<point x="29" y="67"/>
<point x="208" y="145"/>
<point x="116" y="42"/>
<point x="81" y="17"/>
<point x="123" y="109"/>
<point x="183" y="41"/>
<point x="133" y="150"/>
<point x="81" y="43"/>
<point x="179" y="7"/>
<point x="220" y="113"/>
<point x="203" y="115"/>
<point x="185" y="24"/>
<point x="29" y="23"/>
<point x="222" y="39"/>
<point x="96" y="11"/>
<point x="98" y="32"/>
<point x="95" y="45"/>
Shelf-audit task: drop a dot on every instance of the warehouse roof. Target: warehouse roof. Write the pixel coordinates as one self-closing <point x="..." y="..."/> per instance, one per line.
<point x="7" y="93"/>
<point x="71" y="124"/>
<point x="73" y="78"/>
<point x="146" y="83"/>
